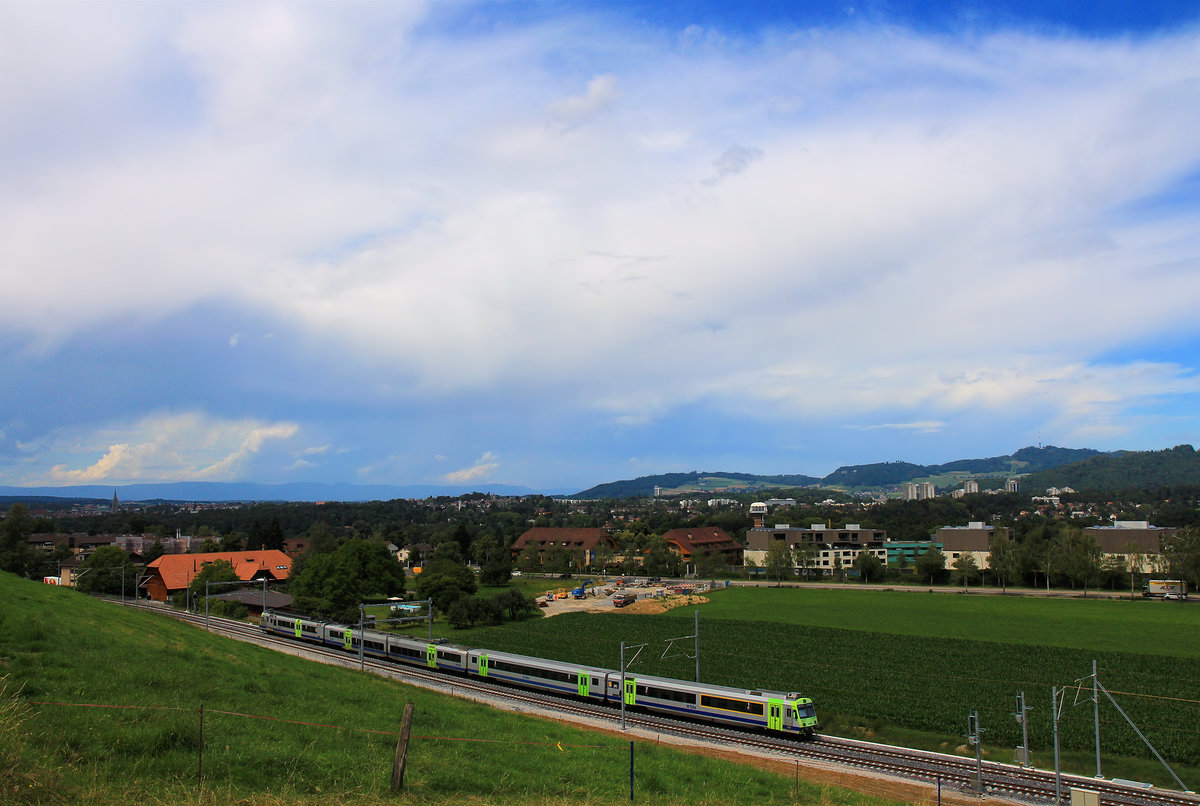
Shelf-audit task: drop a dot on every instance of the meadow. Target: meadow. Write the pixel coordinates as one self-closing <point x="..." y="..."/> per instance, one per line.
<point x="100" y="704"/>
<point x="1101" y="625"/>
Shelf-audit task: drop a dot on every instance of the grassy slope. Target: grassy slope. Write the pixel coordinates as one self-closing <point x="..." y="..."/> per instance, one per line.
<point x="57" y="646"/>
<point x="1101" y="625"/>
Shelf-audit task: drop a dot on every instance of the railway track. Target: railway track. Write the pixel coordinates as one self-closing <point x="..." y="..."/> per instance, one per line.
<point x="991" y="779"/>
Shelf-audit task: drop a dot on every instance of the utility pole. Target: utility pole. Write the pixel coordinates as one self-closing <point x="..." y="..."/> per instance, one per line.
<point x="1023" y="721"/>
<point x="973" y="737"/>
<point x="1056" y="706"/>
<point x="624" y="666"/>
<point x="1096" y="714"/>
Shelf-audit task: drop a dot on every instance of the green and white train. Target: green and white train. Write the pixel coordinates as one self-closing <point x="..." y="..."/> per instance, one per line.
<point x="771" y="711"/>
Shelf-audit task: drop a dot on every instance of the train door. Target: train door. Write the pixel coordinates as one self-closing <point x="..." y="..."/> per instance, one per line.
<point x="774" y="714"/>
<point x="483" y="665"/>
<point x="630" y="691"/>
<point x="296" y="626"/>
<point x="431" y="655"/>
<point x="349" y="639"/>
<point x="582" y="683"/>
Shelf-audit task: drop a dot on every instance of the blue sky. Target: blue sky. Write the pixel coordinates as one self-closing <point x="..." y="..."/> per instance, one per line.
<point x="557" y="244"/>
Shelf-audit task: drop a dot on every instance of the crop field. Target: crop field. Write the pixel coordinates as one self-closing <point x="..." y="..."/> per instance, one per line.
<point x="1140" y="626"/>
<point x="938" y="665"/>
<point x="99" y="704"/>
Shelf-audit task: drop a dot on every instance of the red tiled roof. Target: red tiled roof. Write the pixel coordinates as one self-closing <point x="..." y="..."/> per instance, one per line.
<point x="704" y="538"/>
<point x="571" y="537"/>
<point x="177" y="570"/>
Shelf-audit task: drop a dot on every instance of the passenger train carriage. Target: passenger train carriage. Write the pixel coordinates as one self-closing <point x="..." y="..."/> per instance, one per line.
<point x="772" y="711"/>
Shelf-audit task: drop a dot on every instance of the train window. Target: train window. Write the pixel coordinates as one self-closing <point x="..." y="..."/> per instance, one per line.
<point x="532" y="671"/>
<point x="726" y="704"/>
<point x="450" y="656"/>
<point x="668" y="694"/>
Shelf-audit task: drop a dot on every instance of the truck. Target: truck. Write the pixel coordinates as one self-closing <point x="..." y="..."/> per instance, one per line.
<point x="581" y="591"/>
<point x="1174" y="589"/>
<point x="622" y="598"/>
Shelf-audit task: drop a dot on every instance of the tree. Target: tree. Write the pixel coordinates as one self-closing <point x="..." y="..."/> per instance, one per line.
<point x="232" y="541"/>
<point x="497" y="568"/>
<point x="558" y="560"/>
<point x="708" y="563"/>
<point x="16" y="555"/>
<point x="155" y="551"/>
<point x="216" y="571"/>
<point x="659" y="560"/>
<point x="779" y="562"/>
<point x="1134" y="561"/>
<point x="868" y="566"/>
<point x="1003" y="561"/>
<point x="517" y="605"/>
<point x="930" y="564"/>
<point x="334" y="584"/>
<point x="604" y="558"/>
<point x="102" y="572"/>
<point x="530" y="557"/>
<point x="273" y="538"/>
<point x="1080" y="558"/>
<point x="321" y="539"/>
<point x="443" y="579"/>
<point x="1181" y="553"/>
<point x="966" y="570"/>
<point x="207" y="546"/>
<point x="805" y="556"/>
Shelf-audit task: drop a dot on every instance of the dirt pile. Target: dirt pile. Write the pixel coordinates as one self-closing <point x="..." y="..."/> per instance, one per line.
<point x="663" y="604"/>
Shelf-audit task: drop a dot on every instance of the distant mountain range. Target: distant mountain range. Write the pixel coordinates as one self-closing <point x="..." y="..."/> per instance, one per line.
<point x="1041" y="467"/>
<point x="247" y="491"/>
<point x="853" y="477"/>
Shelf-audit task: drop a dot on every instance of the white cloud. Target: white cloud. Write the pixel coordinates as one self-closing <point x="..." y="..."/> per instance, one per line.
<point x="923" y="225"/>
<point x="158" y="447"/>
<point x="601" y="94"/>
<point x="483" y="468"/>
<point x="922" y="426"/>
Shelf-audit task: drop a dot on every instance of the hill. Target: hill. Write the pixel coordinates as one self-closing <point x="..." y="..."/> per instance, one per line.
<point x="1124" y="470"/>
<point x="153" y="692"/>
<point x="694" y="482"/>
<point x="858" y="477"/>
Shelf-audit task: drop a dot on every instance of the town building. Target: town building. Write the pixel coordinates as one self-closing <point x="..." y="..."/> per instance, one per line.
<point x="975" y="539"/>
<point x="172" y="573"/>
<point x="904" y="553"/>
<point x="826" y="547"/>
<point x="1126" y="540"/>
<point x="580" y="543"/>
<point x="688" y="543"/>
<point x="919" y="491"/>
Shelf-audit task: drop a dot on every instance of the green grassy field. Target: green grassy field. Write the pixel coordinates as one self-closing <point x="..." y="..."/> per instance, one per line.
<point x="1100" y="625"/>
<point x="278" y="730"/>
<point x="944" y="656"/>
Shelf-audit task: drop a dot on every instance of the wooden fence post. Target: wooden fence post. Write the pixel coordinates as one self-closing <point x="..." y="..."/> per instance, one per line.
<point x="402" y="748"/>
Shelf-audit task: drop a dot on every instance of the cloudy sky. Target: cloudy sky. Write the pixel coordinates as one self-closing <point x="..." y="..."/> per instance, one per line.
<point x="556" y="244"/>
